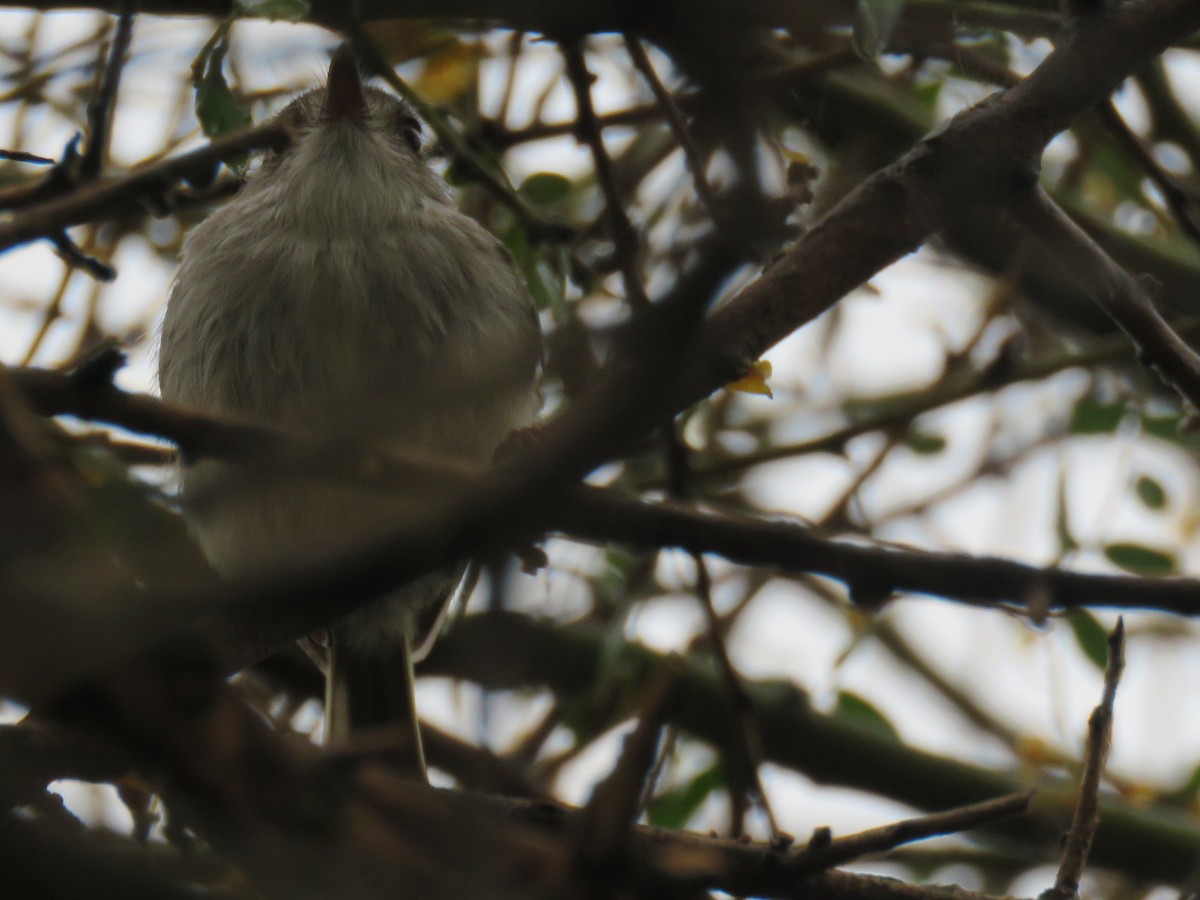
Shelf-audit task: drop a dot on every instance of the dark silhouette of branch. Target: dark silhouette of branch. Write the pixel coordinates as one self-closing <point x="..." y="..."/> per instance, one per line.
<point x="151" y="186"/>
<point x="984" y="158"/>
<point x="870" y="570"/>
<point x="674" y="118"/>
<point x="261" y="800"/>
<point x="620" y="230"/>
<point x="829" y="750"/>
<point x="1086" y="818"/>
<point x="840" y="851"/>
<point x="100" y="110"/>
<point x="1126" y="299"/>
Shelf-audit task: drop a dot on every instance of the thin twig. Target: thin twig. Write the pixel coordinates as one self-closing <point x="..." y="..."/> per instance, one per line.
<point x="620" y="228"/>
<point x="744" y="751"/>
<point x="102" y="107"/>
<point x="606" y="821"/>
<point x="53" y="309"/>
<point x="840" y="851"/>
<point x="1086" y="819"/>
<point x="1182" y="204"/>
<point x="671" y="112"/>
<point x="22" y="156"/>
<point x="74" y="255"/>
<point x="108" y="198"/>
<point x="1124" y="298"/>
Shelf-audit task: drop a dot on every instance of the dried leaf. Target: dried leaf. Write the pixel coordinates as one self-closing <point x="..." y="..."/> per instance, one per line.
<point x="754" y="381"/>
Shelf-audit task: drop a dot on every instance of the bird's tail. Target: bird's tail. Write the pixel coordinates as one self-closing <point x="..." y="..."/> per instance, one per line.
<point x="375" y="691"/>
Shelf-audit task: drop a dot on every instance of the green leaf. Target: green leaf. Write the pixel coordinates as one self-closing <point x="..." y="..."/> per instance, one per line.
<point x="927" y="94"/>
<point x="1142" y="560"/>
<point x="675" y="807"/>
<point x="1091" y="637"/>
<point x="1192" y="787"/>
<point x="545" y="188"/>
<point x="218" y="110"/>
<point x="854" y="709"/>
<point x="1092" y="417"/>
<point x="874" y="21"/>
<point x="1062" y="520"/>
<point x="542" y="275"/>
<point x="286" y="10"/>
<point x="1151" y="492"/>
<point x="924" y="443"/>
<point x="1165" y="427"/>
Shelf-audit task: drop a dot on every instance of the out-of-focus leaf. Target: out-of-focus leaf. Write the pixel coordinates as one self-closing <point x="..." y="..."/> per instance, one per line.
<point x="1142" y="560"/>
<point x="1093" y="417"/>
<point x="674" y="808"/>
<point x="546" y="290"/>
<point x="450" y="74"/>
<point x="1164" y="427"/>
<point x="927" y="94"/>
<point x="1062" y="519"/>
<point x="924" y="443"/>
<point x="285" y="10"/>
<point x="218" y="110"/>
<point x="1151" y="492"/>
<point x="611" y="584"/>
<point x="544" y="188"/>
<point x="754" y="381"/>
<point x="874" y="21"/>
<point x="853" y="708"/>
<point x="1192" y="787"/>
<point x="1091" y="637"/>
<point x="400" y="40"/>
<point x="1123" y="176"/>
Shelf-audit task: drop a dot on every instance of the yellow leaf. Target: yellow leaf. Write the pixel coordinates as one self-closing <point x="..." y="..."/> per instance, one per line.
<point x="400" y="40"/>
<point x="1034" y="751"/>
<point x="450" y="73"/>
<point x="1143" y="796"/>
<point x="754" y="381"/>
<point x="795" y="156"/>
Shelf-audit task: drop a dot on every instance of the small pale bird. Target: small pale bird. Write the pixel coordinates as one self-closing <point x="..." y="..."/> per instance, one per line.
<point x="341" y="293"/>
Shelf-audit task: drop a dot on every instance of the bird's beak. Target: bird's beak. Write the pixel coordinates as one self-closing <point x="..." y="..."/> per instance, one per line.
<point x="344" y="98"/>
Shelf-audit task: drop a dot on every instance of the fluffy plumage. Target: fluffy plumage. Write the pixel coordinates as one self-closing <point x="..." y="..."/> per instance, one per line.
<point x="341" y="292"/>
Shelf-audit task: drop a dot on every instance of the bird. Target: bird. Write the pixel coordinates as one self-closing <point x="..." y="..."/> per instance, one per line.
<point x="341" y="293"/>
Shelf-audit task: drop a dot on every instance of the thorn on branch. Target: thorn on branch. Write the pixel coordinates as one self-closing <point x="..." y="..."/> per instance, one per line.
<point x="61" y="178"/>
<point x="98" y="369"/>
<point x="74" y="256"/>
<point x="869" y="594"/>
<point x="822" y="837"/>
<point x="22" y="156"/>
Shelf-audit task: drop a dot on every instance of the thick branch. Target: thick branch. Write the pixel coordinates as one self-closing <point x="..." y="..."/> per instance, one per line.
<point x="593" y="514"/>
<point x="983" y="159"/>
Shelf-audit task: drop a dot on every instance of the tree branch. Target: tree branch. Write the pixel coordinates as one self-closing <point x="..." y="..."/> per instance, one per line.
<point x="571" y="659"/>
<point x="114" y="197"/>
<point x="1086" y="818"/>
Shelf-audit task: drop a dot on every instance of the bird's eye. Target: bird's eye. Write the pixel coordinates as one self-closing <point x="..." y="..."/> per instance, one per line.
<point x="410" y="130"/>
